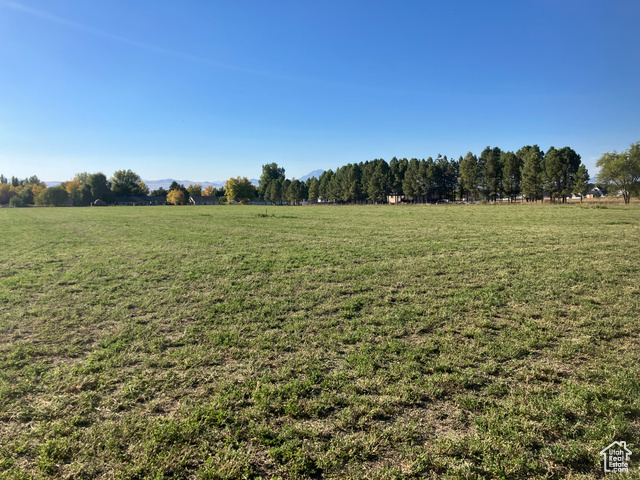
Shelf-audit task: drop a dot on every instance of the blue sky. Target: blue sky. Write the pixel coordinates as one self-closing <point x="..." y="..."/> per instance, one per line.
<point x="206" y="90"/>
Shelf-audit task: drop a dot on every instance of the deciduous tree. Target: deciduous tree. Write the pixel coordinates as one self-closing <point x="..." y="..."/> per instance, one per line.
<point x="26" y="194"/>
<point x="195" y="190"/>
<point x="143" y="189"/>
<point x="54" y="196"/>
<point x="239" y="189"/>
<point x="100" y="187"/>
<point x="159" y="192"/>
<point x="126" y="182"/>
<point x="78" y="188"/>
<point x="16" y="201"/>
<point x="176" y="197"/>
<point x="6" y="192"/>
<point x="82" y="178"/>
<point x="621" y="170"/>
<point x="185" y="193"/>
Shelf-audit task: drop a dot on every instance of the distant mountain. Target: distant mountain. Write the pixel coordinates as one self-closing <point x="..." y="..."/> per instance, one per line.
<point x="166" y="182"/>
<point x="315" y="173"/>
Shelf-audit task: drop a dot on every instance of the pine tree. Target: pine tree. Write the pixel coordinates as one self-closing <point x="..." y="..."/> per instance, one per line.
<point x="531" y="177"/>
<point x="510" y="174"/>
<point x="314" y="188"/>
<point x="469" y="175"/>
<point x="581" y="182"/>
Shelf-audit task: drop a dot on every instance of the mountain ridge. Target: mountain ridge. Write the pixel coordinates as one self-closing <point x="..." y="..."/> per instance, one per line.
<point x="315" y="173"/>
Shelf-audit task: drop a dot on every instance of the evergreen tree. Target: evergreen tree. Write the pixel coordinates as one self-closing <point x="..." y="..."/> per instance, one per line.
<point x="324" y="187"/>
<point x="397" y="169"/>
<point x="294" y="192"/>
<point x="469" y="175"/>
<point x="552" y="173"/>
<point x="270" y="172"/>
<point x="286" y="183"/>
<point x="511" y="175"/>
<point x="451" y="173"/>
<point x="428" y="179"/>
<point x="482" y="183"/>
<point x="531" y="184"/>
<point x="350" y="183"/>
<point x="314" y="190"/>
<point x="411" y="181"/>
<point x="335" y="191"/>
<point x="438" y="169"/>
<point x="581" y="182"/>
<point x="304" y="189"/>
<point x="366" y="170"/>
<point x="570" y="164"/>
<point x="378" y="185"/>
<point x="492" y="172"/>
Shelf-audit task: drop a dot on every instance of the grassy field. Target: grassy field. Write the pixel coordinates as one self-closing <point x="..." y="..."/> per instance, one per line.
<point x="318" y="342"/>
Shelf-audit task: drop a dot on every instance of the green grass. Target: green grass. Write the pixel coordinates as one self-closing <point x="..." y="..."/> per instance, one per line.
<point x="318" y="342"/>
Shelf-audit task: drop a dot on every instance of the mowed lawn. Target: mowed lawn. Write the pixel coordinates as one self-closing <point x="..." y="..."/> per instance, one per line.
<point x="318" y="342"/>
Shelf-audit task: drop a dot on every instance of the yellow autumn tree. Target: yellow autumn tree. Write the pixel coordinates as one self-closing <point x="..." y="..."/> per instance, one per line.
<point x="176" y="197"/>
<point x="6" y="192"/>
<point x="72" y="186"/>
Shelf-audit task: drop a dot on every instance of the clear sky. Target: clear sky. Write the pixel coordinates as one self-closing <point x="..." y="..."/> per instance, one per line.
<point x="206" y="90"/>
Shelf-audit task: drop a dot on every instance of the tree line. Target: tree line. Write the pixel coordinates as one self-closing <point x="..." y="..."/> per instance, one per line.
<point x="85" y="188"/>
<point x="18" y="193"/>
<point x="528" y="174"/>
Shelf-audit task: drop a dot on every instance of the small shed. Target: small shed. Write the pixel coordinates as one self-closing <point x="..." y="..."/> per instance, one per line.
<point x="394" y="199"/>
